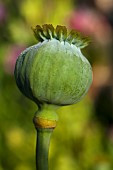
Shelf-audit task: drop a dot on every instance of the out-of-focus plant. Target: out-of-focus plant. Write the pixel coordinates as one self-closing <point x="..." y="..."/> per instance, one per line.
<point x="11" y="56"/>
<point x="91" y="22"/>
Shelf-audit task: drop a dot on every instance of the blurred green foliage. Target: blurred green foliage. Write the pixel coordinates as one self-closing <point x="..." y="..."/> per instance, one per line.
<point x="79" y="141"/>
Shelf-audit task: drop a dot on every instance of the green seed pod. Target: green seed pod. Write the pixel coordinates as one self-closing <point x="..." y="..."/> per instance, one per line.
<point x="54" y="71"/>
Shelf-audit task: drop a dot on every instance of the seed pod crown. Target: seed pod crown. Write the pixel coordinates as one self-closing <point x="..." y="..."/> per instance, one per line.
<point x="54" y="71"/>
<point x="48" y="32"/>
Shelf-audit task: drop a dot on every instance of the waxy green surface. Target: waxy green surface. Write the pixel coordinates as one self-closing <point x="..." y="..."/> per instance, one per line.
<point x="53" y="72"/>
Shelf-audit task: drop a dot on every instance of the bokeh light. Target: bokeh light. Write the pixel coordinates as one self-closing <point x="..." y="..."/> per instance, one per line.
<point x="83" y="138"/>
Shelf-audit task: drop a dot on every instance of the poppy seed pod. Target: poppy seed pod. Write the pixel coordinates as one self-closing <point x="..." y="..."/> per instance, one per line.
<point x="54" y="71"/>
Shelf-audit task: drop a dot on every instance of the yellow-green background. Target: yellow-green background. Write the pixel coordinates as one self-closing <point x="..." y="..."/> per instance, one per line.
<point x="78" y="142"/>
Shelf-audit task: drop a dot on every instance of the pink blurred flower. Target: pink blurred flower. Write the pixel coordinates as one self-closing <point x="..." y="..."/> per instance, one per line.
<point x="11" y="55"/>
<point x="81" y="20"/>
<point x="3" y="13"/>
<point x="91" y="22"/>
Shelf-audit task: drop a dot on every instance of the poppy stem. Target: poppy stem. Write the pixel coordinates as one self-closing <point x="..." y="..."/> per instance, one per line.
<point x="45" y="121"/>
<point x="42" y="148"/>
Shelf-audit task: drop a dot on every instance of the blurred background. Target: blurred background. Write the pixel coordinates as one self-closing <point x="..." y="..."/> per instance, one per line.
<point x="83" y="138"/>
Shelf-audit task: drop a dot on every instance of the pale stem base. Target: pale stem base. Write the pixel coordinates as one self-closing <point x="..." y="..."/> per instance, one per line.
<point x="42" y="148"/>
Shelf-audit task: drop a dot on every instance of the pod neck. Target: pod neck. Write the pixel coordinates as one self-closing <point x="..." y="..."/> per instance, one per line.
<point x="45" y="121"/>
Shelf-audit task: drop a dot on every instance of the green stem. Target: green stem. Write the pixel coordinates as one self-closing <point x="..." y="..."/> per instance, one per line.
<point x="42" y="148"/>
<point x="45" y="121"/>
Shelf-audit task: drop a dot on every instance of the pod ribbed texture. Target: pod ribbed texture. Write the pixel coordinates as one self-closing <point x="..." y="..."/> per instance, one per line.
<point x="53" y="72"/>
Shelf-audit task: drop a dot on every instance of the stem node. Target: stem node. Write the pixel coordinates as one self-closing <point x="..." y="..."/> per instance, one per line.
<point x="45" y="121"/>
